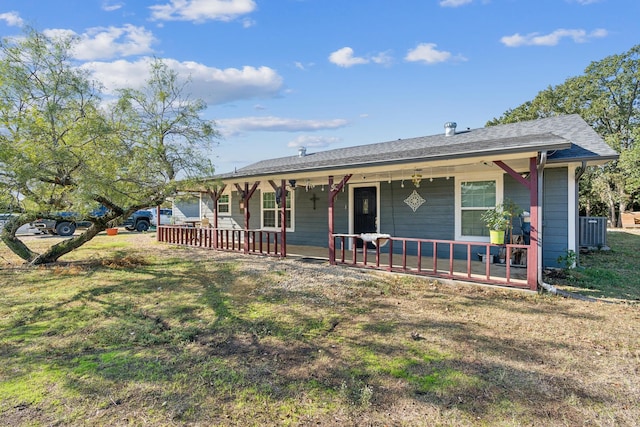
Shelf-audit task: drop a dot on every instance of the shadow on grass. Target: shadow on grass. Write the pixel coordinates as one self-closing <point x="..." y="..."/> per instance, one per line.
<point x="192" y="340"/>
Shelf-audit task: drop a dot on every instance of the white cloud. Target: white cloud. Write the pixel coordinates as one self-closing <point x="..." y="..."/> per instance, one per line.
<point x="12" y="19"/>
<point x="110" y="6"/>
<point x="585" y="2"/>
<point x="108" y="42"/>
<point x="313" y="141"/>
<point x="344" y="58"/>
<point x="213" y="85"/>
<point x="427" y="52"/>
<point x="454" y="3"/>
<point x="248" y="23"/>
<point x="383" y="58"/>
<point x="202" y="10"/>
<point x="552" y="39"/>
<point x="230" y="127"/>
<point x="304" y="67"/>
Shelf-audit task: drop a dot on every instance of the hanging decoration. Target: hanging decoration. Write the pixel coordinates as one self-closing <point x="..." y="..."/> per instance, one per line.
<point x="309" y="186"/>
<point x="414" y="201"/>
<point x="416" y="178"/>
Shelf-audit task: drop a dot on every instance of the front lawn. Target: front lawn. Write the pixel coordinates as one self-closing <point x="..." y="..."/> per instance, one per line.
<point x="610" y="274"/>
<point x="131" y="332"/>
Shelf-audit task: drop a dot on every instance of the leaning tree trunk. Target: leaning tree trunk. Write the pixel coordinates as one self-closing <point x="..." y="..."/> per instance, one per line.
<point x="56" y="251"/>
<point x="17" y="246"/>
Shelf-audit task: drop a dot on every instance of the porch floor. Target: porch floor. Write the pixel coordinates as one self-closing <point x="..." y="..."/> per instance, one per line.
<point x="497" y="272"/>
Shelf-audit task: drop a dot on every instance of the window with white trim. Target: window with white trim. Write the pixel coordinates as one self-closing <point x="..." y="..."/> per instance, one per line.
<point x="474" y="196"/>
<point x="224" y="206"/>
<point x="271" y="217"/>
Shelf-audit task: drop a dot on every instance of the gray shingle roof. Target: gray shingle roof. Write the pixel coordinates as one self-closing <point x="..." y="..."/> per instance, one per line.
<point x="570" y="136"/>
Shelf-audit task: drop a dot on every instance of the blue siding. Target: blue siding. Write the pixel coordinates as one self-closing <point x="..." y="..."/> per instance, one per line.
<point x="555" y="216"/>
<point x="519" y="194"/>
<point x="433" y="220"/>
<point x="312" y="225"/>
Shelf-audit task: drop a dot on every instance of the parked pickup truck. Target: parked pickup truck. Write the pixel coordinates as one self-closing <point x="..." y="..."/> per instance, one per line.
<point x="62" y="224"/>
<point x="139" y="221"/>
<point x="66" y="223"/>
<point x="25" y="229"/>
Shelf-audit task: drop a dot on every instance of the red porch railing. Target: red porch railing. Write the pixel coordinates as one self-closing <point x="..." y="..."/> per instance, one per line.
<point x="435" y="258"/>
<point x="259" y="241"/>
<point x="426" y="257"/>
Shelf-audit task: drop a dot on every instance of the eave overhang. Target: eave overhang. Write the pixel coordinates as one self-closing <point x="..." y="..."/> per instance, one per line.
<point x="521" y="147"/>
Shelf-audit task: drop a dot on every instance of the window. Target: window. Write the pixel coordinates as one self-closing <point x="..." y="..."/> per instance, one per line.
<point x="224" y="205"/>
<point x="271" y="211"/>
<point x="473" y="198"/>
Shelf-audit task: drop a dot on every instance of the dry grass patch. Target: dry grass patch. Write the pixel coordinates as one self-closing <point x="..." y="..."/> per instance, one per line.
<point x="175" y="336"/>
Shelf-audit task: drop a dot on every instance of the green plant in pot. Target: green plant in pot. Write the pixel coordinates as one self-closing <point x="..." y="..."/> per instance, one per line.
<point x="498" y="220"/>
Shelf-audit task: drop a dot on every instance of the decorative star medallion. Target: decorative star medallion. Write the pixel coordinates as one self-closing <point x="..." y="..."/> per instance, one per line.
<point x="414" y="200"/>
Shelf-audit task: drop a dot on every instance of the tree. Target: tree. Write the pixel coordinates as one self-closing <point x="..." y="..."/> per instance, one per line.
<point x="607" y="96"/>
<point x="63" y="149"/>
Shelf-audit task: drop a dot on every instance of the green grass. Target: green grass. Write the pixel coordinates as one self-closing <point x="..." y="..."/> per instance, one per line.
<point x="127" y="334"/>
<point x="611" y="274"/>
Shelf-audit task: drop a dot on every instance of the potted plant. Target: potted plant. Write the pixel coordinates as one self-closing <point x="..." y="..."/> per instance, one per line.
<point x="498" y="220"/>
<point x="112" y="229"/>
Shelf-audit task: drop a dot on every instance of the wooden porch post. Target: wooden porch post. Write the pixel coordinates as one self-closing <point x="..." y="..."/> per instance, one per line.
<point x="215" y="197"/>
<point x="532" y="253"/>
<point x="158" y="223"/>
<point x="247" y="215"/>
<point x="246" y="195"/>
<point x="332" y="243"/>
<point x="333" y="192"/>
<point x="532" y="185"/>
<point x="283" y="219"/>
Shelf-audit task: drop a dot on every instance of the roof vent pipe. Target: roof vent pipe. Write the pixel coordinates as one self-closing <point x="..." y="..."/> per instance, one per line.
<point x="450" y="128"/>
<point x="302" y="151"/>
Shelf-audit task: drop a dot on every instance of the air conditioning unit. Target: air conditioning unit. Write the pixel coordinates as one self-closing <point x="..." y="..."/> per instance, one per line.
<point x="593" y="232"/>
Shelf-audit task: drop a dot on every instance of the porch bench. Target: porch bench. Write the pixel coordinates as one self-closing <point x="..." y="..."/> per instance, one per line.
<point x="630" y="220"/>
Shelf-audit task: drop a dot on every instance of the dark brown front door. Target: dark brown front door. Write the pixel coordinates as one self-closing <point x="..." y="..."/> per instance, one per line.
<point x="365" y="214"/>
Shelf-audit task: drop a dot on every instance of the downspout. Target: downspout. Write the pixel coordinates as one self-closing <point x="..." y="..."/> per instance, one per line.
<point x="542" y="162"/>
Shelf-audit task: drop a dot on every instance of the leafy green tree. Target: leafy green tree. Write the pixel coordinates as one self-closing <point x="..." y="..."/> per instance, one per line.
<point x="63" y="149"/>
<point x="607" y="96"/>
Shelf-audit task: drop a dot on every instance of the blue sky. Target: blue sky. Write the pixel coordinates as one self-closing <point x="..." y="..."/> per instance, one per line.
<point x="326" y="74"/>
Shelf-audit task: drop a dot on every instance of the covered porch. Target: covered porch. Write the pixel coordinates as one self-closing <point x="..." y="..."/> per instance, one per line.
<point x="433" y="258"/>
<point x="414" y="202"/>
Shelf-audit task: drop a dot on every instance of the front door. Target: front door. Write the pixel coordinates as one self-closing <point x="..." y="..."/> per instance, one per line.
<point x="365" y="214"/>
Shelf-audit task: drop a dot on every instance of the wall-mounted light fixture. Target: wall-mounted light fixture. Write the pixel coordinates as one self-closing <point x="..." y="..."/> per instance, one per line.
<point x="241" y="200"/>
